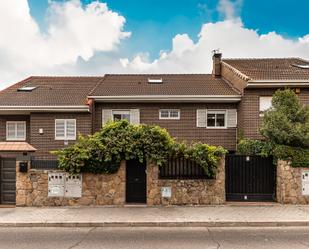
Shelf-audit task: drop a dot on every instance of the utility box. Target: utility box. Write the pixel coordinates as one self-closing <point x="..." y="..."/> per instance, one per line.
<point x="73" y="185"/>
<point x="56" y="183"/>
<point x="166" y="192"/>
<point x="305" y="182"/>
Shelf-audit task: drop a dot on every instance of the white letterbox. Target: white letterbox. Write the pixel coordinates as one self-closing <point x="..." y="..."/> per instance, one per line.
<point x="305" y="182"/>
<point x="56" y="182"/>
<point x="73" y="185"/>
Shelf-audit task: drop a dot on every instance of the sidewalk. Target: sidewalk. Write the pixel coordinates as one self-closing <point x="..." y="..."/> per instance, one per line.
<point x="134" y="216"/>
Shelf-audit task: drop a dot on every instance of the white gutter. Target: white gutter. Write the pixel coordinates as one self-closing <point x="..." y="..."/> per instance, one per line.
<point x="81" y="108"/>
<point x="168" y="98"/>
<point x="277" y="83"/>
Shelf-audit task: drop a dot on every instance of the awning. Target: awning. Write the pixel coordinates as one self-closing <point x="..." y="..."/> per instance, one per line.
<point x="16" y="146"/>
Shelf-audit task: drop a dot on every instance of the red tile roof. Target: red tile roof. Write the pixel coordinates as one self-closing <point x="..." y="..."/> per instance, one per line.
<point x="16" y="146"/>
<point x="271" y="68"/>
<point x="172" y="84"/>
<point x="50" y="91"/>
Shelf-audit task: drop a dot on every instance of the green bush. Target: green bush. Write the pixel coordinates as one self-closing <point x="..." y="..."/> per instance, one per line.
<point x="254" y="147"/>
<point x="285" y="128"/>
<point x="287" y="122"/>
<point x="103" y="151"/>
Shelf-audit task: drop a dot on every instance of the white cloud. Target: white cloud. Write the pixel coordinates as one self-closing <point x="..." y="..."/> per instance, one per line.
<point x="230" y="36"/>
<point x="73" y="31"/>
<point x="83" y="40"/>
<point x="228" y="9"/>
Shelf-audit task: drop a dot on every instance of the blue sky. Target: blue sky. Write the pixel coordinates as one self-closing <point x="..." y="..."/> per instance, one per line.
<point x="85" y="37"/>
<point x="154" y="23"/>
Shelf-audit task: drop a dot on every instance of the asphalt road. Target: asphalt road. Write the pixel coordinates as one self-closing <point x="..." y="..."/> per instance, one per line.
<point x="161" y="238"/>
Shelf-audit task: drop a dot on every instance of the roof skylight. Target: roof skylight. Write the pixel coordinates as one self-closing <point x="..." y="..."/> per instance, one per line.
<point x="155" y="81"/>
<point x="26" y="88"/>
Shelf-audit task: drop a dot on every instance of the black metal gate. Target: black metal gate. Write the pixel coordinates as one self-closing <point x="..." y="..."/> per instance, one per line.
<point x="250" y="178"/>
<point x="135" y="182"/>
<point x="8" y="181"/>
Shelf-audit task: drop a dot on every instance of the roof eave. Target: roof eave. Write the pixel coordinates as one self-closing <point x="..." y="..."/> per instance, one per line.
<point x="277" y="83"/>
<point x="170" y="98"/>
<point x="46" y="108"/>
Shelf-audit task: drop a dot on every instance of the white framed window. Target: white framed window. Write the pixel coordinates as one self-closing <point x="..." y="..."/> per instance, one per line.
<point x="216" y="119"/>
<point x="265" y="103"/>
<point x="16" y="130"/>
<point x="169" y="114"/>
<point x="65" y="129"/>
<point x="118" y="115"/>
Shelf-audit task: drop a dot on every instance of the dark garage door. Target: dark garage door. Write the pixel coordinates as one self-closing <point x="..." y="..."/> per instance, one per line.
<point x="8" y="181"/>
<point x="250" y="178"/>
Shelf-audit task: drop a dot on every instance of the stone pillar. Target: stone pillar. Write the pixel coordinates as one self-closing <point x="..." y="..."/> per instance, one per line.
<point x="289" y="184"/>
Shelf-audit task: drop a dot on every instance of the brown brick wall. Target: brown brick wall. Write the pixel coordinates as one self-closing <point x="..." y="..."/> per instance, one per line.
<point x="44" y="143"/>
<point x="183" y="129"/>
<point x="248" y="110"/>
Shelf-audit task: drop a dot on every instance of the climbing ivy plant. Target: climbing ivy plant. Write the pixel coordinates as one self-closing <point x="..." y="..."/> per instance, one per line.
<point x="103" y="151"/>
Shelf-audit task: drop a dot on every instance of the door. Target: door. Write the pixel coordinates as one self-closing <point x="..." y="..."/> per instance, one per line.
<point x="135" y="182"/>
<point x="250" y="178"/>
<point x="8" y="181"/>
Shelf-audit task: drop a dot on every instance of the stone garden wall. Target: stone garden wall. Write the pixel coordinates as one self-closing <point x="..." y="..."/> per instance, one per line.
<point x="289" y="184"/>
<point x="101" y="189"/>
<point x="105" y="189"/>
<point x="186" y="192"/>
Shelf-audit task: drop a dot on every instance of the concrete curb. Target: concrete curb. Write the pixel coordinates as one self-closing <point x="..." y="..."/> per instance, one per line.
<point x="160" y="224"/>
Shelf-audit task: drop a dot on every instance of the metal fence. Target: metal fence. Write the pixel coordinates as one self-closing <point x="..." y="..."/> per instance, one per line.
<point x="182" y="168"/>
<point x="44" y="164"/>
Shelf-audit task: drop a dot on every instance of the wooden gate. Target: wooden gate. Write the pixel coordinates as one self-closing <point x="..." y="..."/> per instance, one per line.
<point x="250" y="178"/>
<point x="8" y="181"/>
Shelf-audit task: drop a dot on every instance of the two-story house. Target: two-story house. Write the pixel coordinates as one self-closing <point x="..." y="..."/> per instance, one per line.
<point x="42" y="114"/>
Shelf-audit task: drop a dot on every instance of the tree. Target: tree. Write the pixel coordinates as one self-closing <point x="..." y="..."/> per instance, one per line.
<point x="287" y="122"/>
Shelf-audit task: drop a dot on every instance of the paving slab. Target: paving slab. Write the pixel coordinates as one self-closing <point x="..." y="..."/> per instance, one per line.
<point x="171" y="216"/>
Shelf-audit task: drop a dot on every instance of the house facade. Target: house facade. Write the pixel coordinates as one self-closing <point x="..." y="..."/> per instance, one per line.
<point x="42" y="114"/>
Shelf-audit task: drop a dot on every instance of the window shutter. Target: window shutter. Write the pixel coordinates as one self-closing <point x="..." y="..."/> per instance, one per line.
<point x="201" y="117"/>
<point x="134" y="116"/>
<point x="71" y="129"/>
<point x="232" y="118"/>
<point x="106" y="115"/>
<point x="60" y="129"/>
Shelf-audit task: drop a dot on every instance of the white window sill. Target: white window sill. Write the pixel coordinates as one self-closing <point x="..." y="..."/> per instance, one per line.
<point x="65" y="139"/>
<point x="16" y="139"/>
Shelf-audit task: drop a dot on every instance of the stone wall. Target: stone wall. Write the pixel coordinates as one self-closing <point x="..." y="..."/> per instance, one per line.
<point x="289" y="184"/>
<point x="101" y="189"/>
<point x="105" y="189"/>
<point x="186" y="192"/>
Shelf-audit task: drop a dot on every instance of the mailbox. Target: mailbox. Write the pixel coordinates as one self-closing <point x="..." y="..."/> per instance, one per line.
<point x="73" y="185"/>
<point x="305" y="182"/>
<point x="56" y="183"/>
<point x="23" y="167"/>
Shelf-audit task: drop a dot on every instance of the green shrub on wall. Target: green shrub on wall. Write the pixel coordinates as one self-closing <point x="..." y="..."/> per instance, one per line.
<point x="103" y="151"/>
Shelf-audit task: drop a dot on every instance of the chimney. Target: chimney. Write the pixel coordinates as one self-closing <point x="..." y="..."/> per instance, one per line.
<point x="216" y="58"/>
